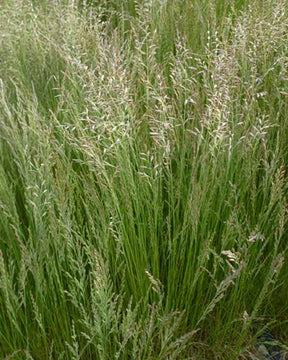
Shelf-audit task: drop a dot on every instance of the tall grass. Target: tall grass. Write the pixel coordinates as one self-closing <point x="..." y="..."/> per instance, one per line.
<point x="143" y="188"/>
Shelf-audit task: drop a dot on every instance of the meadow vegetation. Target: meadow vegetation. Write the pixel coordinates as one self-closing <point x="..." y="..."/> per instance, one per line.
<point x="143" y="190"/>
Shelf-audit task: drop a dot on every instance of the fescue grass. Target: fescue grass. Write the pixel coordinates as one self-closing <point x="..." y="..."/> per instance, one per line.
<point x="143" y="190"/>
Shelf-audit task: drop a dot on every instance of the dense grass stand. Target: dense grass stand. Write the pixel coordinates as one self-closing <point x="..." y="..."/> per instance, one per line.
<point x="143" y="179"/>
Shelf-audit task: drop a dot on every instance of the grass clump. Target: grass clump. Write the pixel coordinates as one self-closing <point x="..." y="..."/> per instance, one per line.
<point x="143" y="188"/>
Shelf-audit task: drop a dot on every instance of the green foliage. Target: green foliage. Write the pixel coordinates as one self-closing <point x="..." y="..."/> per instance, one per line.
<point x="143" y="165"/>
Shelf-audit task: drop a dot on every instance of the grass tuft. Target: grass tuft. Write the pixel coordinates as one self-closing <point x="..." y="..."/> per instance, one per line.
<point x="143" y="165"/>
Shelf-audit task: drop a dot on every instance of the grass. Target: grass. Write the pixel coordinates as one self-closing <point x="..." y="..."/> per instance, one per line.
<point x="143" y="169"/>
